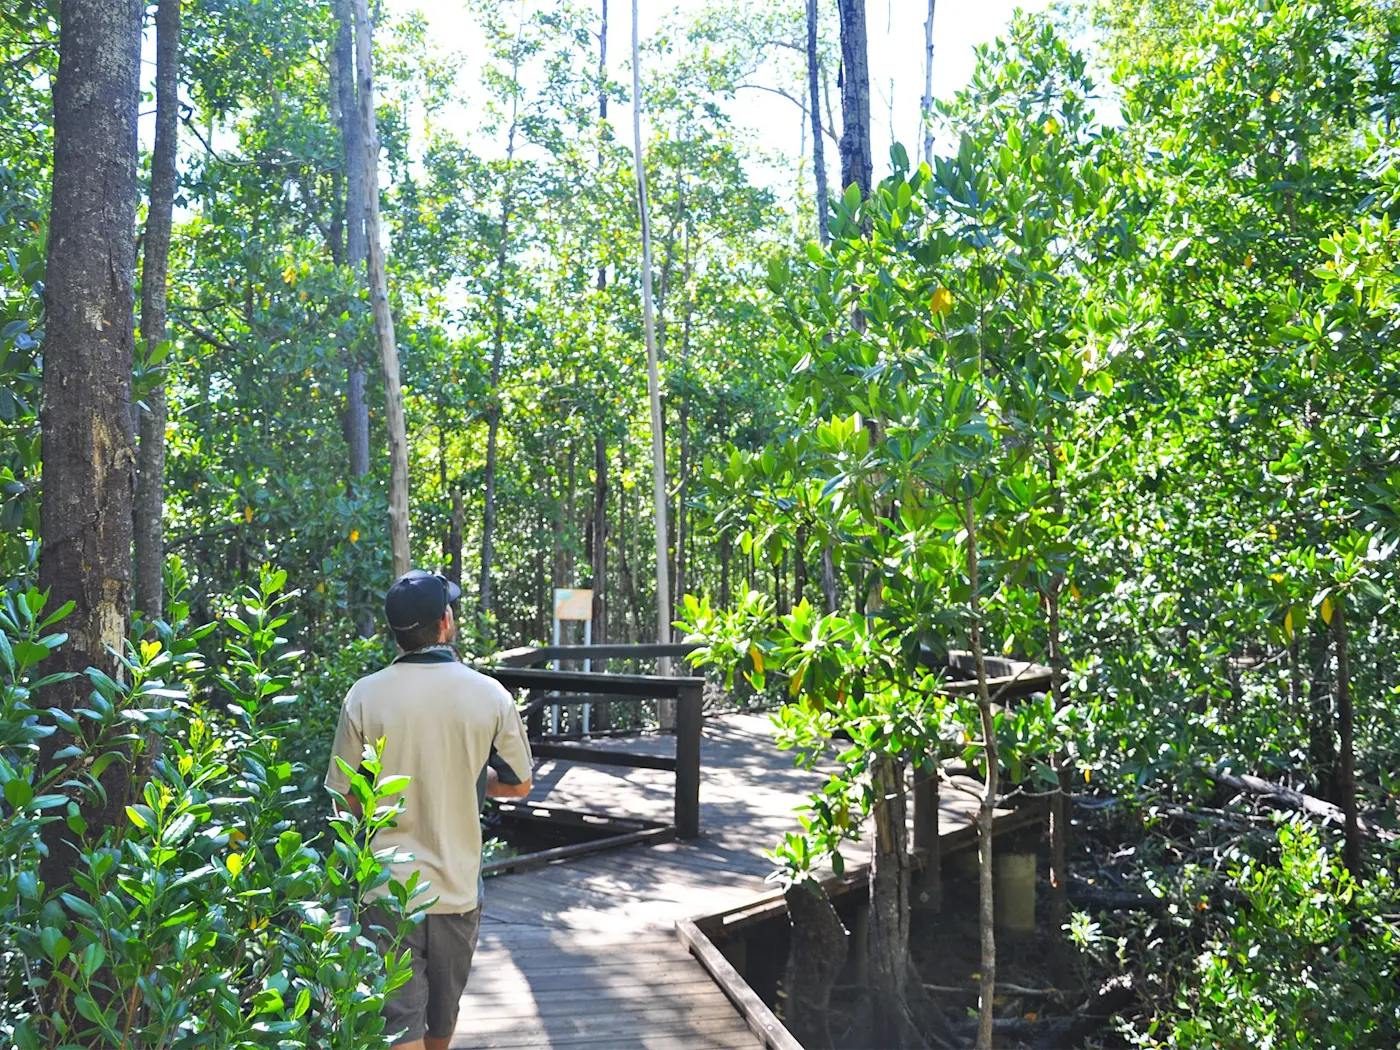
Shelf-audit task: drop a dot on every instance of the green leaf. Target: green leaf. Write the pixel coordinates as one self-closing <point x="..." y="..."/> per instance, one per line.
<point x="54" y="944"/>
<point x="18" y="793"/>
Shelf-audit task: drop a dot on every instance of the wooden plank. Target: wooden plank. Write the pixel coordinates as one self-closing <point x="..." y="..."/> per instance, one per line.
<point x="620" y="968"/>
<point x="699" y="989"/>
<point x="548" y="699"/>
<point x="641" y="1016"/>
<point x="761" y="1020"/>
<point x="560" y="1029"/>
<point x="528" y="656"/>
<point x="544" y="857"/>
<point x="690" y="721"/>
<point x="737" y="869"/>
<point x="601" y="981"/>
<point x="740" y="1039"/>
<point x="521" y="656"/>
<point x="642" y="686"/>
<point x="530" y="812"/>
<point x="658" y="949"/>
<point x="639" y="731"/>
<point x="617" y="896"/>
<point x="603" y="756"/>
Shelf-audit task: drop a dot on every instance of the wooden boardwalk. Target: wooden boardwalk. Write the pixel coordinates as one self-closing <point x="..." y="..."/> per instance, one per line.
<point x="584" y="954"/>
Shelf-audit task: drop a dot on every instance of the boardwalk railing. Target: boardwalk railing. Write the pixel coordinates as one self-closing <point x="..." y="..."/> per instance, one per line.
<point x="518" y="670"/>
<point x="524" y="670"/>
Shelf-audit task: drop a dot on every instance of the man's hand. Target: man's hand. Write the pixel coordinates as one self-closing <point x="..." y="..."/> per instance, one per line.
<point x="496" y="788"/>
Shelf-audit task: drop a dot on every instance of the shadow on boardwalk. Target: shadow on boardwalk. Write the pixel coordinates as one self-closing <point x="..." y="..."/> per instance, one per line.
<point x="584" y="954"/>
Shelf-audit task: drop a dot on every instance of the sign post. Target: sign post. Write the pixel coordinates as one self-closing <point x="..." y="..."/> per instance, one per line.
<point x="572" y="604"/>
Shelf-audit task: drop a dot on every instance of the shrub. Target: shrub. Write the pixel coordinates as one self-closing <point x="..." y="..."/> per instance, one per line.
<point x="208" y="920"/>
<point x="1310" y="959"/>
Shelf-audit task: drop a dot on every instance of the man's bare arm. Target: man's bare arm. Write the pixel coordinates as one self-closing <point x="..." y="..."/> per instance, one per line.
<point x="497" y="788"/>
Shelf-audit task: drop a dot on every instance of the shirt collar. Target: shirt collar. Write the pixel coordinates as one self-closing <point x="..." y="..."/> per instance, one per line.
<point x="441" y="653"/>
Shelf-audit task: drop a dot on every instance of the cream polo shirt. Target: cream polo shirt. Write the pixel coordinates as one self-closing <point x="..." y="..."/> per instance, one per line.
<point x="442" y="724"/>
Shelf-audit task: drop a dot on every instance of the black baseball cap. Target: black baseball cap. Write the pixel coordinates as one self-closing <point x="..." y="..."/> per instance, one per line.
<point x="418" y="598"/>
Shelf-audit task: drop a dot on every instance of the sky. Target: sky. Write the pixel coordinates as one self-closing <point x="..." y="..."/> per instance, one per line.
<point x="771" y="123"/>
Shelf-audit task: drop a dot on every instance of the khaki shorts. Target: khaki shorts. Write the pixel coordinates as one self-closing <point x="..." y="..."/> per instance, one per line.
<point x="442" y="947"/>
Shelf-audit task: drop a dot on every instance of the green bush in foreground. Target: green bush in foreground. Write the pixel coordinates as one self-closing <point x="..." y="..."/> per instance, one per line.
<point x="1308" y="957"/>
<point x="206" y="921"/>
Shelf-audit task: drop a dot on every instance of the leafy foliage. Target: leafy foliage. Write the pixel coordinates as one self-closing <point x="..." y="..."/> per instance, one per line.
<point x="208" y="920"/>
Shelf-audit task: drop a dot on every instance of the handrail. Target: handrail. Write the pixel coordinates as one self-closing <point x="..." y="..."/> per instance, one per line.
<point x="639" y="686"/>
<point x="688" y="692"/>
<point x="529" y="655"/>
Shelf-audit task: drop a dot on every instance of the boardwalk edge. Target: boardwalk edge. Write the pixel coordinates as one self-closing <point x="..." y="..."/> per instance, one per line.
<point x="760" y="1019"/>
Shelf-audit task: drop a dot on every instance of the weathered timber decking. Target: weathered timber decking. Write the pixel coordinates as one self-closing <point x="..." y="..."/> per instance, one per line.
<point x="583" y="954"/>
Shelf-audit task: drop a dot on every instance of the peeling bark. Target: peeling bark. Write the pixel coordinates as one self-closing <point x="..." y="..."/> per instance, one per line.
<point x="856" y="164"/>
<point x="86" y="513"/>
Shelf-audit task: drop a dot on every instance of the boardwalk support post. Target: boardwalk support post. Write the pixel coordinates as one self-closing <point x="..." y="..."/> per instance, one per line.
<point x="689" y="722"/>
<point x="928" y="882"/>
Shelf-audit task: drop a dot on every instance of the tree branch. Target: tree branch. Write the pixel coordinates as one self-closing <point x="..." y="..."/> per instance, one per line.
<point x="791" y="98"/>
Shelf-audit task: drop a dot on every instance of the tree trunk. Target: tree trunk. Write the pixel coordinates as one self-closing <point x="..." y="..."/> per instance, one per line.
<point x="356" y="421"/>
<point x="632" y="626"/>
<point x="928" y="890"/>
<point x="817" y="951"/>
<point x="542" y="605"/>
<point x="493" y="405"/>
<point x="149" y="531"/>
<point x="1347" y="778"/>
<point x="379" y="301"/>
<point x="658" y="445"/>
<point x="1295" y="678"/>
<point x="986" y="910"/>
<point x="725" y="551"/>
<point x="815" y="107"/>
<point x="570" y="490"/>
<point x="600" y="442"/>
<point x="602" y="113"/>
<point x="454" y="539"/>
<point x="799" y="566"/>
<point x="85" y="519"/>
<point x="558" y="572"/>
<point x="1322" y="744"/>
<point x="452" y="534"/>
<point x="892" y="1021"/>
<point x="927" y="102"/>
<point x="682" y="533"/>
<point x="600" y="539"/>
<point x="828" y="579"/>
<point x="335" y="236"/>
<point x="1059" y="762"/>
<point x="1059" y="757"/>
<point x="855" y="97"/>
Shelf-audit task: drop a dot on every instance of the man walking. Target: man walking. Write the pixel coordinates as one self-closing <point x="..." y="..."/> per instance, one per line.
<point x="458" y="735"/>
